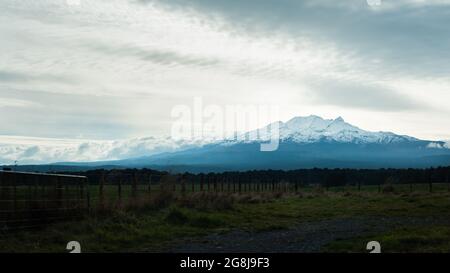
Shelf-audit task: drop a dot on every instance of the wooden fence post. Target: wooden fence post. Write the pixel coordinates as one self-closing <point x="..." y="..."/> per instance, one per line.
<point x="88" y="195"/>
<point x="149" y="183"/>
<point x="81" y="193"/>
<point x="239" y="184"/>
<point x="201" y="182"/>
<point x="119" y="189"/>
<point x="134" y="185"/>
<point x="14" y="180"/>
<point x="102" y="182"/>
<point x="59" y="191"/>
<point x="430" y="182"/>
<point x="448" y="183"/>
<point x="183" y="185"/>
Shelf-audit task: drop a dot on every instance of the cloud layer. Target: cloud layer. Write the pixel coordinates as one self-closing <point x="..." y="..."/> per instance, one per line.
<point x="113" y="69"/>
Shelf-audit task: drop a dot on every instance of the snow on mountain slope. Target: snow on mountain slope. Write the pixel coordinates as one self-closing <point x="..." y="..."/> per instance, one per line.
<point x="314" y="129"/>
<point x="310" y="129"/>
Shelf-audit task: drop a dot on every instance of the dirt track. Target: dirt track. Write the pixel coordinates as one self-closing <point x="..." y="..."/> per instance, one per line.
<point x="305" y="237"/>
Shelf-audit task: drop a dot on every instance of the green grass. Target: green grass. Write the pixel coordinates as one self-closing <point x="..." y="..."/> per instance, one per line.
<point x="432" y="239"/>
<point x="155" y="229"/>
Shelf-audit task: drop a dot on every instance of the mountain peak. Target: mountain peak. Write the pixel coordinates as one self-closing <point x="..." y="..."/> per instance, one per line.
<point x="312" y="128"/>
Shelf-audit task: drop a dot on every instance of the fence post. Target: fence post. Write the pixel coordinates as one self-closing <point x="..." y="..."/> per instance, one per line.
<point x="174" y="188"/>
<point x="183" y="185"/>
<point x="14" y="180"/>
<point x="430" y="183"/>
<point x="66" y="192"/>
<point x="201" y="182"/>
<point x="59" y="191"/>
<point x="80" y="192"/>
<point x="88" y="195"/>
<point x="134" y="186"/>
<point x="35" y="192"/>
<point x="448" y="183"/>
<point x="119" y="189"/>
<point x="102" y="181"/>
<point x="239" y="184"/>
<point x="359" y="185"/>
<point x="193" y="184"/>
<point x="149" y="183"/>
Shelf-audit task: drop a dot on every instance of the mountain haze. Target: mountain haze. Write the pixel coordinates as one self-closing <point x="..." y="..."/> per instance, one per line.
<point x="304" y="142"/>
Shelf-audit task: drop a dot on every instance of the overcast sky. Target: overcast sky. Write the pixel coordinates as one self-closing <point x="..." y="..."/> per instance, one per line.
<point x="109" y="70"/>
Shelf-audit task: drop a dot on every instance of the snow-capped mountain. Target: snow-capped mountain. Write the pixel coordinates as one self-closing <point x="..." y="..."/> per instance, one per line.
<point x="315" y="129"/>
<point x="304" y="142"/>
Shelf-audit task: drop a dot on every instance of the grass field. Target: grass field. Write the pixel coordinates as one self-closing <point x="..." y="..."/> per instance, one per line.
<point x="169" y="219"/>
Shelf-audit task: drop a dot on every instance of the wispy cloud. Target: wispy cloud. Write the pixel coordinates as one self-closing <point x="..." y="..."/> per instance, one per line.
<point x="114" y="69"/>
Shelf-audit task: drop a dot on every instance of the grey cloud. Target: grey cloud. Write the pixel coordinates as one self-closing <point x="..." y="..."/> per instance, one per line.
<point x="6" y="76"/>
<point x="67" y="115"/>
<point x="364" y="96"/>
<point x="14" y="76"/>
<point x="412" y="38"/>
<point x="84" y="147"/>
<point x="31" y="151"/>
<point x="162" y="57"/>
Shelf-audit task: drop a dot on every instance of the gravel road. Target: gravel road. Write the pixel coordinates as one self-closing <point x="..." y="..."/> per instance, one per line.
<point x="304" y="237"/>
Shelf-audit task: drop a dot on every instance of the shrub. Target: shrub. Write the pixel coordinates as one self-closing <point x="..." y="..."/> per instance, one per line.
<point x="176" y="217"/>
<point x="387" y="189"/>
<point x="162" y="199"/>
<point x="205" y="222"/>
<point x="207" y="201"/>
<point x="319" y="189"/>
<point x="347" y="194"/>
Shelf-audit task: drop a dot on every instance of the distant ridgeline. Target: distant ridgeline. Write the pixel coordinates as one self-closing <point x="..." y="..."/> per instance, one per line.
<point x="324" y="177"/>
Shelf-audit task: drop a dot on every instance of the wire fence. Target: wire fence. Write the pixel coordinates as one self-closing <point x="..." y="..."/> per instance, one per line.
<point x="30" y="200"/>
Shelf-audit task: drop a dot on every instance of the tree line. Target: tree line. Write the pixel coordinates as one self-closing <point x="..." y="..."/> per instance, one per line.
<point x="302" y="177"/>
